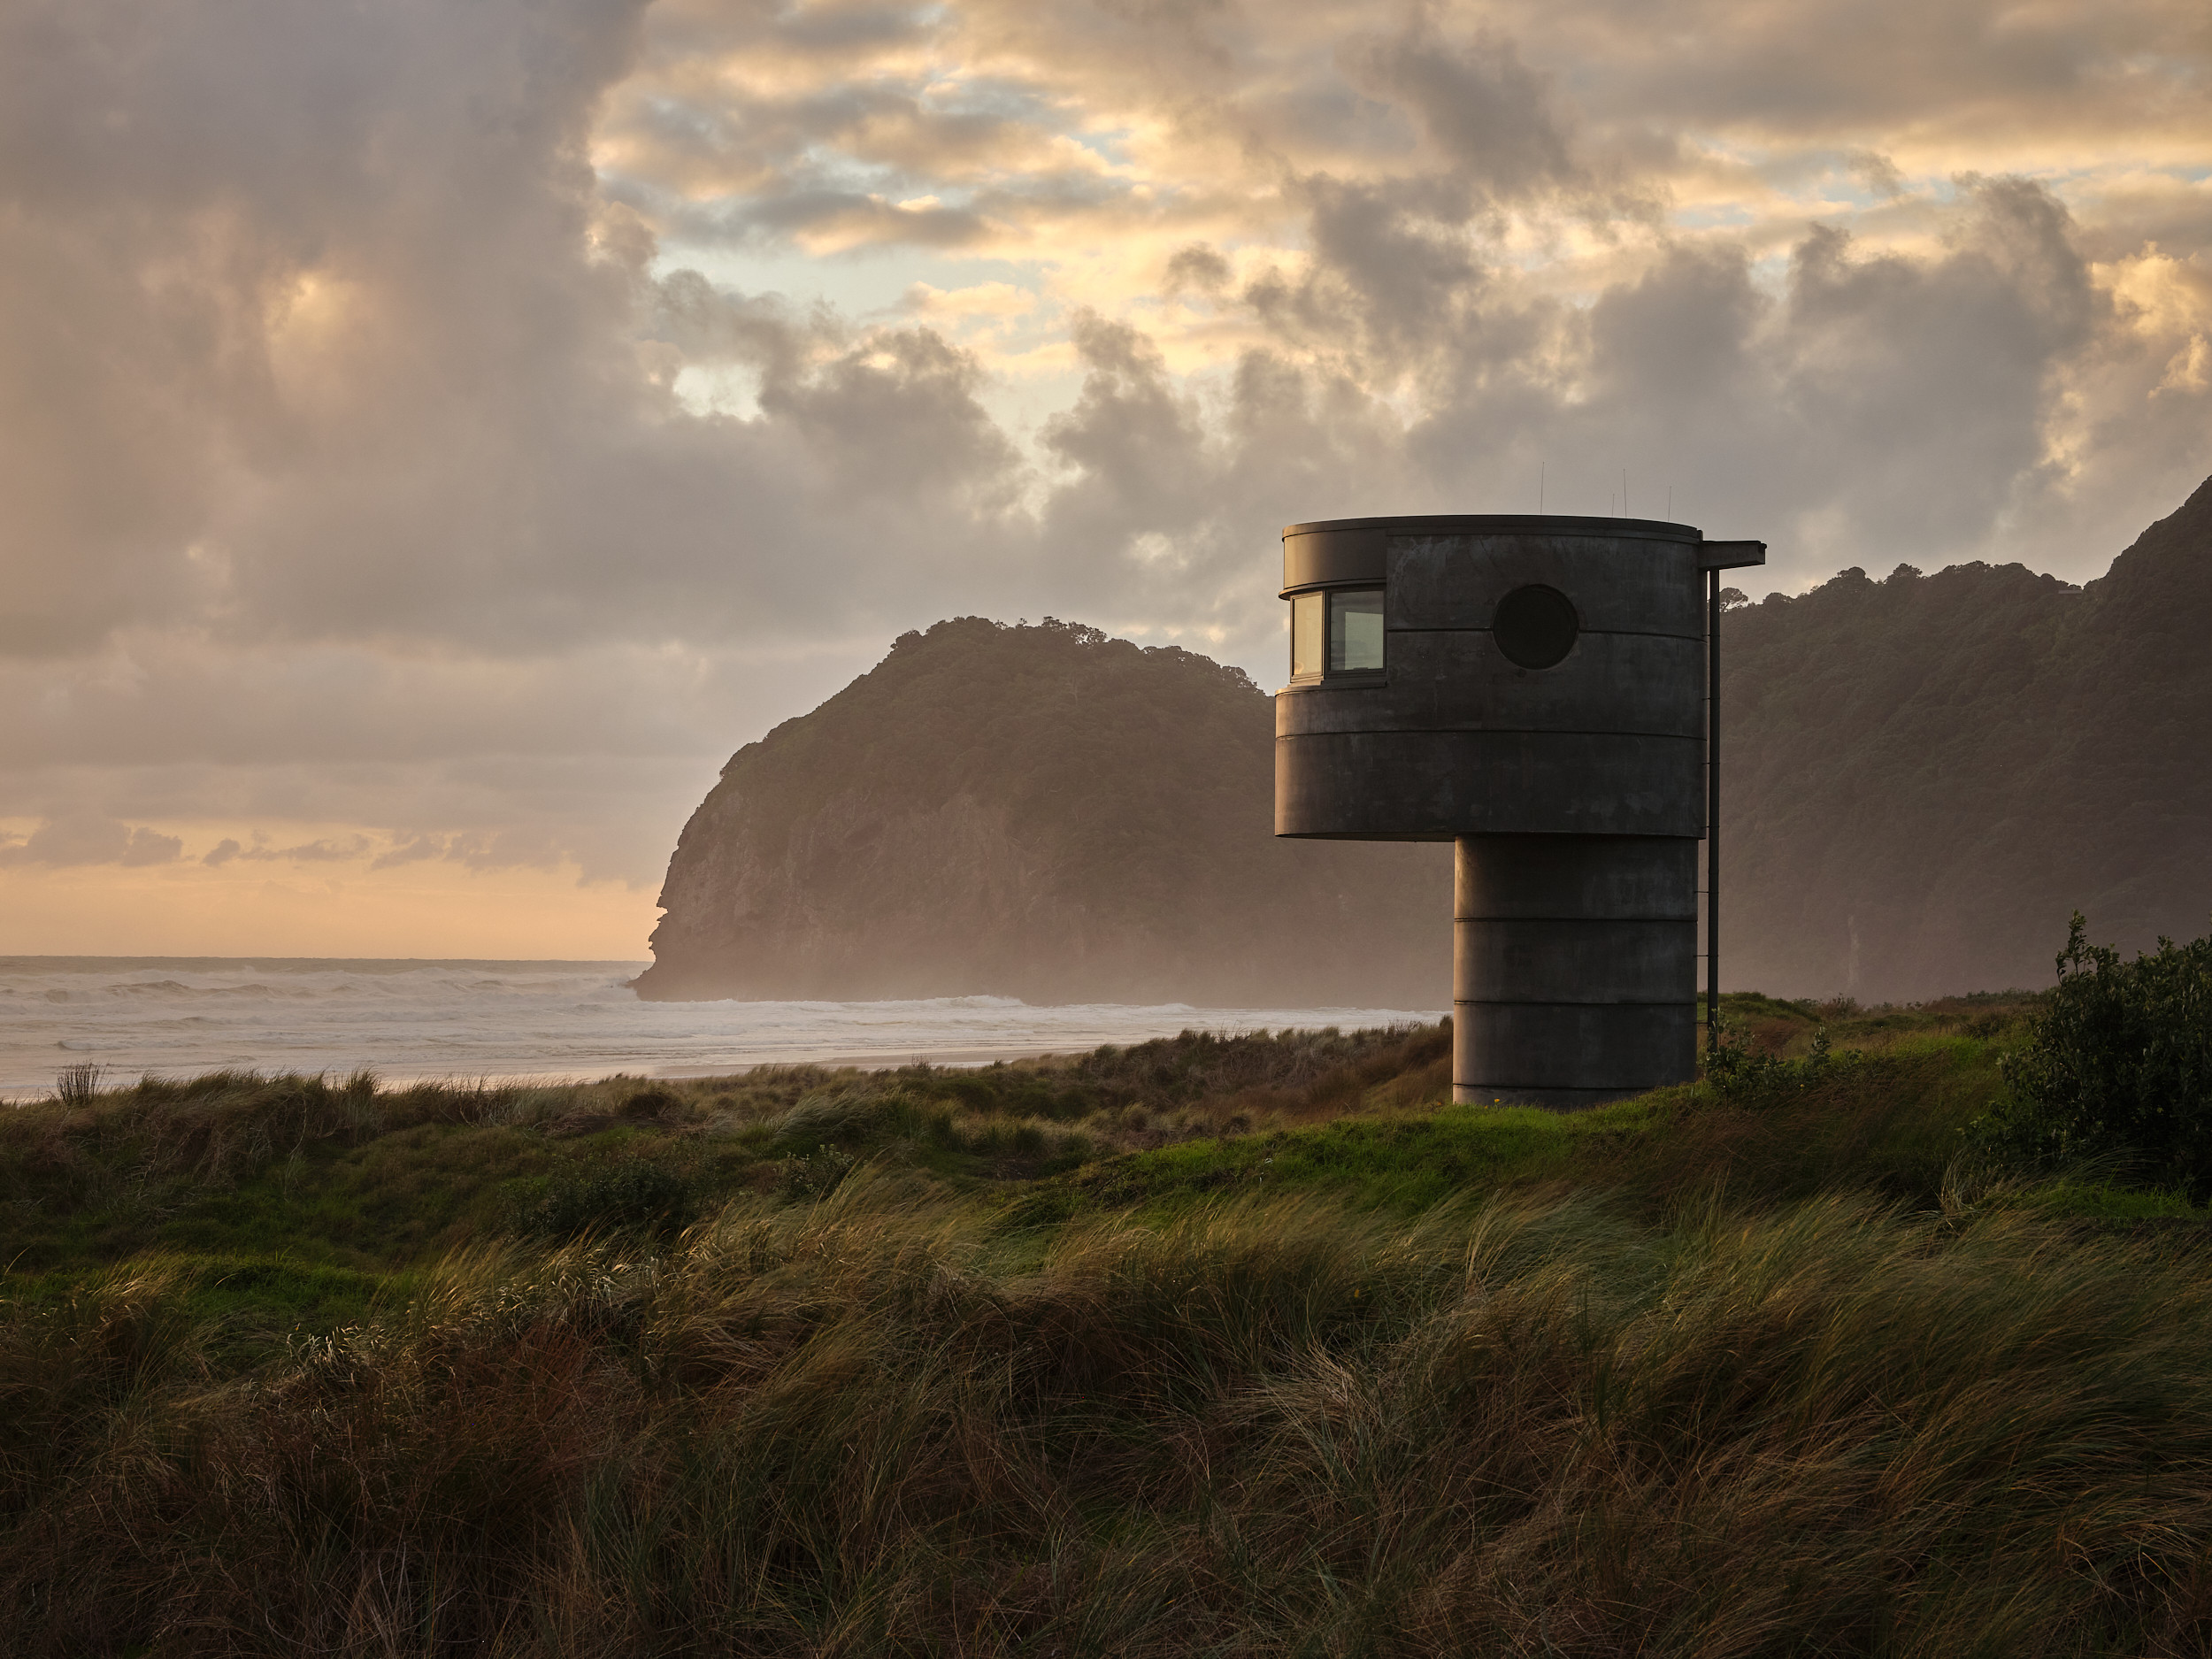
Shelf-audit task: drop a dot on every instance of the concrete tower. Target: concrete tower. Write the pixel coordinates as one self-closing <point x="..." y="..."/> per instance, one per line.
<point x="1533" y="690"/>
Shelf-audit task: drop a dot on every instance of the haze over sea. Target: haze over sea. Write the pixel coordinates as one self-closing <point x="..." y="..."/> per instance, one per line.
<point x="177" y="1016"/>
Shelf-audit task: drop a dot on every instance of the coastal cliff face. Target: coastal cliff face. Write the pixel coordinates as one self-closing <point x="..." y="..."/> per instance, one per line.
<point x="1041" y="813"/>
<point x="1922" y="776"/>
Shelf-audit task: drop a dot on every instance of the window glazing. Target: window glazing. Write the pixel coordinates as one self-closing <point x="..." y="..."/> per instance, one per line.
<point x="1306" y="634"/>
<point x="1356" y="630"/>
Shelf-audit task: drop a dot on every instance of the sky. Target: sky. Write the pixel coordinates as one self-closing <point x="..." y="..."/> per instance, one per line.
<point x="435" y="434"/>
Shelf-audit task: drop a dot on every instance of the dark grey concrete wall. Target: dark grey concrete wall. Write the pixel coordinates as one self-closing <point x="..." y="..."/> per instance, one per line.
<point x="1574" y="794"/>
<point x="1455" y="739"/>
<point x="1574" y="966"/>
<point x="1329" y="557"/>
<point x="1436" y="785"/>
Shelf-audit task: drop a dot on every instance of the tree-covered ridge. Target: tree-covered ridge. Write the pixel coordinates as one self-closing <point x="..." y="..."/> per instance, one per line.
<point x="1924" y="775"/>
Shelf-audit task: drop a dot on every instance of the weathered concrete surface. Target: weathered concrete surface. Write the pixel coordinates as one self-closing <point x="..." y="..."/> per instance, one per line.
<point x="1455" y="739"/>
<point x="1574" y="794"/>
<point x="1638" y="684"/>
<point x="1618" y="584"/>
<point x="1574" y="966"/>
<point x="1435" y="786"/>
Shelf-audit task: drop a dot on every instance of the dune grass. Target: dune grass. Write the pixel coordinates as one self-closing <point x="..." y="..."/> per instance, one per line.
<point x="1213" y="1346"/>
<point x="348" y="1174"/>
<point x="878" y="1423"/>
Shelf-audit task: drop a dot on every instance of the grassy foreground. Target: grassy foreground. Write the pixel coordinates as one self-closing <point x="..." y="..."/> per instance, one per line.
<point x="1243" y="1345"/>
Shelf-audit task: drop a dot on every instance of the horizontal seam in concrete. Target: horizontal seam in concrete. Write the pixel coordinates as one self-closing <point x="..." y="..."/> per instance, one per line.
<point x="1554" y="1002"/>
<point x="1489" y="731"/>
<point x="1620" y="1090"/>
<point x="1623" y="633"/>
<point x="1560" y="1088"/>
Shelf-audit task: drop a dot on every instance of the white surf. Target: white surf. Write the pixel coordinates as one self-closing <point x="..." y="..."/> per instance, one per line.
<point x="178" y="1017"/>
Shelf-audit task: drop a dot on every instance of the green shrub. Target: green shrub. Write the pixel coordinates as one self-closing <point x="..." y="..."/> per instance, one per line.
<point x="633" y="1194"/>
<point x="1744" y="1075"/>
<point x="649" y="1103"/>
<point x="817" y="1175"/>
<point x="2118" y="1065"/>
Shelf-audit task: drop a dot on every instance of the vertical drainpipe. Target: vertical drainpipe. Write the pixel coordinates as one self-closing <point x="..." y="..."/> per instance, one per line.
<point x="1712" y="809"/>
<point x="1715" y="557"/>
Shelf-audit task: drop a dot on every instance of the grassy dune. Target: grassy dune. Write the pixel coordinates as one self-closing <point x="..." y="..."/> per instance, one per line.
<point x="1245" y="1345"/>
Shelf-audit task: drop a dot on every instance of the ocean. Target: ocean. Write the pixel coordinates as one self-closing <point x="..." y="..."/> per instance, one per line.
<point x="179" y="1016"/>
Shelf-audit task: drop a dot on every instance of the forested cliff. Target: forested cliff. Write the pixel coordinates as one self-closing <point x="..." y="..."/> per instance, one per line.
<point x="1922" y="776"/>
<point x="1042" y="812"/>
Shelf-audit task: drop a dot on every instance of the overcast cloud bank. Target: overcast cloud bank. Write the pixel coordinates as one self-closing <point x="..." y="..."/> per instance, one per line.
<point x="465" y="425"/>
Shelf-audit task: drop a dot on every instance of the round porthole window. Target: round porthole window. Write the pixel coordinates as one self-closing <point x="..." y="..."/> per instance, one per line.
<point x="1535" y="627"/>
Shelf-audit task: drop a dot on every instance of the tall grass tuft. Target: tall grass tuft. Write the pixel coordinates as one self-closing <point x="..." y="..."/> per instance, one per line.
<point x="876" y="1424"/>
<point x="77" y="1087"/>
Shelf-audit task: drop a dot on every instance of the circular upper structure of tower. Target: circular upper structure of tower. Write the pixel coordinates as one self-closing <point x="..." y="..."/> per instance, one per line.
<point x="1491" y="674"/>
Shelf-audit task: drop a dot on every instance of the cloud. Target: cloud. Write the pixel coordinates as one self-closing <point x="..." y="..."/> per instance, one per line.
<point x="982" y="299"/>
<point x="88" y="838"/>
<point x="362" y="486"/>
<point x="407" y="373"/>
<point x="1485" y="114"/>
<point x="1197" y="266"/>
<point x="351" y="849"/>
<point x="504" y="849"/>
<point x="413" y="850"/>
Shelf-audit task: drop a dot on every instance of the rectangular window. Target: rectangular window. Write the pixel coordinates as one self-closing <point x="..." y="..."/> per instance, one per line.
<point x="1356" y="630"/>
<point x="1306" y="634"/>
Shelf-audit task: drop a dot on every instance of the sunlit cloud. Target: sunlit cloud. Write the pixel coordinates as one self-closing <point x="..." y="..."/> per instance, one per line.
<point x="440" y="437"/>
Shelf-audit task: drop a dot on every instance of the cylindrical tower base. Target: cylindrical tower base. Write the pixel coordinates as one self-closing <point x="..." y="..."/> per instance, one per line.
<point x="1574" y="967"/>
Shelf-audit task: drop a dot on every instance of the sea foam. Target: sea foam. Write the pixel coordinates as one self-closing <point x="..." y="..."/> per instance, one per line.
<point x="175" y="1017"/>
